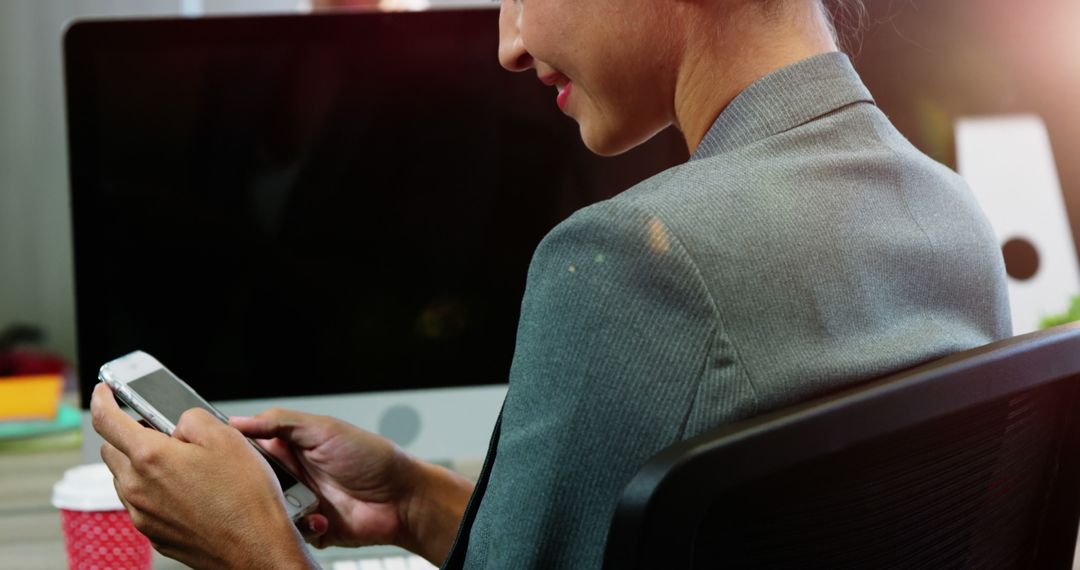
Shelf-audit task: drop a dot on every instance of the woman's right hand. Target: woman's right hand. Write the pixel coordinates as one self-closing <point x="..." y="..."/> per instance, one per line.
<point x="364" y="481"/>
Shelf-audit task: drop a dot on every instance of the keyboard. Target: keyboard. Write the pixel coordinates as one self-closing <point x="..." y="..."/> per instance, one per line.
<point x="370" y="558"/>
<point x="407" y="562"/>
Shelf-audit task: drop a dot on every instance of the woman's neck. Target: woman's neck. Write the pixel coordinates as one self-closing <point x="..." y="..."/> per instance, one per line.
<point x="729" y="49"/>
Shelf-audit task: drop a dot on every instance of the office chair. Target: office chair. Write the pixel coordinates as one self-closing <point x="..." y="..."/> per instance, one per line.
<point x="971" y="461"/>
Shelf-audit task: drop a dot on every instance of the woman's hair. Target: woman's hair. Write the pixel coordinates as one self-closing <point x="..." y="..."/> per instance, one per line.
<point x="847" y="19"/>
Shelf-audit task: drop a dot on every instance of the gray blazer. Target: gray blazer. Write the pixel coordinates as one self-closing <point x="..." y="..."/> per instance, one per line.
<point x="806" y="246"/>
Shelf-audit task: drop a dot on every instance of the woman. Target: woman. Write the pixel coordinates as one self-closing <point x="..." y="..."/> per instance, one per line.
<point x="804" y="247"/>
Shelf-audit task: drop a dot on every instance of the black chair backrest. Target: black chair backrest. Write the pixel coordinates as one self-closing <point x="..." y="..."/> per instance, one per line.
<point x="971" y="461"/>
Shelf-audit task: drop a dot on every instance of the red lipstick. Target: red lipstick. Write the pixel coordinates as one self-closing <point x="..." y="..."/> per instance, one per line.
<point x="564" y="96"/>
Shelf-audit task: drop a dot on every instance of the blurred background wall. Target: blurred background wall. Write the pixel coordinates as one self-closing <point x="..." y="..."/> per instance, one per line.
<point x="35" y="237"/>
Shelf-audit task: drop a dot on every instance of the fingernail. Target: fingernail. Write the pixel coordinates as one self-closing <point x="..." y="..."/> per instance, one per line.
<point x="311" y="526"/>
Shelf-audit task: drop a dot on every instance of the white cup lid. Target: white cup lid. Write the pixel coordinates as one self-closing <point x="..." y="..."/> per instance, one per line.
<point x="86" y="488"/>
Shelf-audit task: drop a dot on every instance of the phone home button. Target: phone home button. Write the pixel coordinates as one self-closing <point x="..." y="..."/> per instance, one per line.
<point x="292" y="500"/>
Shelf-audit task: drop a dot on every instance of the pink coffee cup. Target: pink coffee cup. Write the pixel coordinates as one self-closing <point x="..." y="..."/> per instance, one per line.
<point x="98" y="532"/>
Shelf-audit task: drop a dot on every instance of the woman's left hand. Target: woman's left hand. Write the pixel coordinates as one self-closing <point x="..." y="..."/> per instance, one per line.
<point x="204" y="496"/>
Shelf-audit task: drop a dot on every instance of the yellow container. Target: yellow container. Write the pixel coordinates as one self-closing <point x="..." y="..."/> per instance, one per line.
<point x="30" y="397"/>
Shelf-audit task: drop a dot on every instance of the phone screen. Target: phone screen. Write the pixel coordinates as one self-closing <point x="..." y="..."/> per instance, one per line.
<point x="171" y="399"/>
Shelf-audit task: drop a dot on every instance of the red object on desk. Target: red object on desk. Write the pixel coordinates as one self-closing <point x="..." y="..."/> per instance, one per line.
<point x="25" y="361"/>
<point x="104" y="539"/>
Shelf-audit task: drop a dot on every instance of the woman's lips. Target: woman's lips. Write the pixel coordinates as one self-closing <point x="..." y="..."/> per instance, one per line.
<point x="563" y="84"/>
<point x="564" y="96"/>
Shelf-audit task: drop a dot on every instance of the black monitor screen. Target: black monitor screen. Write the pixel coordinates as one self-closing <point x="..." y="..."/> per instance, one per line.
<point x="300" y="205"/>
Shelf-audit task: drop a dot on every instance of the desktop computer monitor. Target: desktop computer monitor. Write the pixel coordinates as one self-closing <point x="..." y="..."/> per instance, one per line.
<point x="333" y="213"/>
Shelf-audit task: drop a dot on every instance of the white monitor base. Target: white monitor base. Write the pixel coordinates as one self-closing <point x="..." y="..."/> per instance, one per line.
<point x="450" y="426"/>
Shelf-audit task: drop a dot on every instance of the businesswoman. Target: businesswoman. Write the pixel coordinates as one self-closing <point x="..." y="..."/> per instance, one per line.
<point x="805" y="246"/>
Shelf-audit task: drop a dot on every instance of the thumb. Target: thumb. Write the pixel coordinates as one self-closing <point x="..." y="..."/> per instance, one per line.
<point x="297" y="428"/>
<point x="313" y="526"/>
<point x="198" y="426"/>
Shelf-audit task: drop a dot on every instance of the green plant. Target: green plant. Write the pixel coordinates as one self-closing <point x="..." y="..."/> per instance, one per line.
<point x="1073" y="314"/>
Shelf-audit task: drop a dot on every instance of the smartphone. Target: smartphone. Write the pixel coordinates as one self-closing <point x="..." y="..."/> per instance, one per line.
<point x="156" y="394"/>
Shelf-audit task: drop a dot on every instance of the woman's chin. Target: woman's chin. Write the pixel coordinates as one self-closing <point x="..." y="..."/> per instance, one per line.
<point x="612" y="142"/>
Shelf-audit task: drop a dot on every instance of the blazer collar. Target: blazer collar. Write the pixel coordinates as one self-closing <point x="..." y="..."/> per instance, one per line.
<point x="784" y="99"/>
